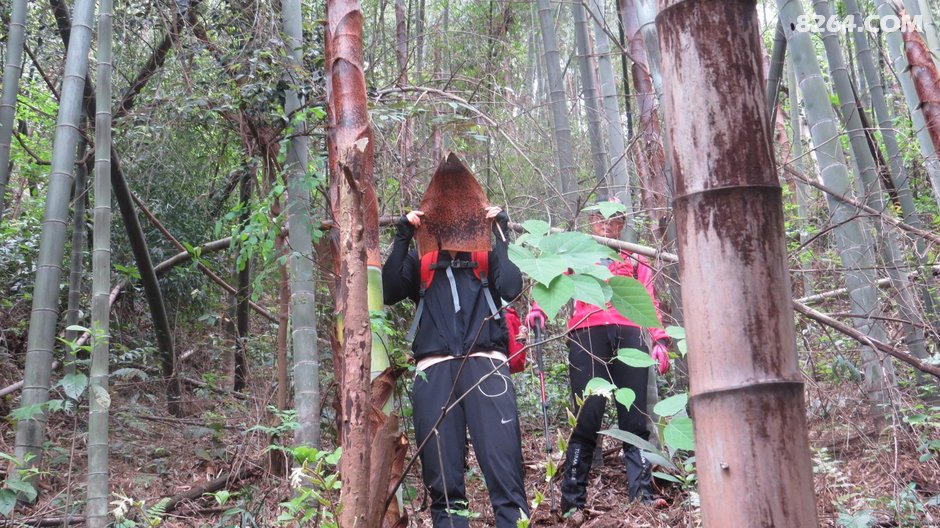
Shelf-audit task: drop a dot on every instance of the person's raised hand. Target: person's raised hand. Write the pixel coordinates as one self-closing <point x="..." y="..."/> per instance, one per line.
<point x="536" y="317"/>
<point x="661" y="355"/>
<point x="414" y="218"/>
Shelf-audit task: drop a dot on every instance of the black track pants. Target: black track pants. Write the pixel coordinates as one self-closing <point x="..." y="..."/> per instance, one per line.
<point x="489" y="411"/>
<point x="591" y="354"/>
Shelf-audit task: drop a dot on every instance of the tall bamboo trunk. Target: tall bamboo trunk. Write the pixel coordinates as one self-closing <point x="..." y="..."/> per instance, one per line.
<point x="618" y="180"/>
<point x="45" y="310"/>
<point x="650" y="156"/>
<point x="872" y="192"/>
<point x="566" y="180"/>
<point x="803" y="192"/>
<point x="901" y="68"/>
<point x="590" y="93"/>
<point x="302" y="281"/>
<point x="11" y="86"/>
<point x="899" y="177"/>
<point x="752" y="443"/>
<point x="408" y="180"/>
<point x="135" y="234"/>
<point x="96" y="512"/>
<point x="77" y="267"/>
<point x="854" y="247"/>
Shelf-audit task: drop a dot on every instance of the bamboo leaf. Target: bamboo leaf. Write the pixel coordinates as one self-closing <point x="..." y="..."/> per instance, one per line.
<point x="652" y="452"/>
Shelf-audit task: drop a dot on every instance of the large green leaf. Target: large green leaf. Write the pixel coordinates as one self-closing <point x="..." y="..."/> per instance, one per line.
<point x="652" y="452"/>
<point x="625" y="396"/>
<point x="536" y="227"/>
<point x="595" y="270"/>
<point x="607" y="209"/>
<point x="675" y="332"/>
<point x="577" y="249"/>
<point x="671" y="405"/>
<point x="543" y="269"/>
<point x="590" y="290"/>
<point x="599" y="387"/>
<point x="552" y="298"/>
<point x="635" y="358"/>
<point x="74" y="384"/>
<point x="632" y="301"/>
<point x="24" y="488"/>
<point x="7" y="502"/>
<point x="678" y="434"/>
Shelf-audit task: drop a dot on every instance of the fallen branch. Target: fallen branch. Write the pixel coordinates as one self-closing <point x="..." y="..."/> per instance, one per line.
<point x="933" y="237"/>
<point x="211" y="487"/>
<point x="48" y="521"/>
<point x="201" y="267"/>
<point x="842" y="291"/>
<point x="820" y="317"/>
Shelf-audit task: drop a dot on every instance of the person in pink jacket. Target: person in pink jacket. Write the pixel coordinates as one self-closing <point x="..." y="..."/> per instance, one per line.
<point x="595" y="335"/>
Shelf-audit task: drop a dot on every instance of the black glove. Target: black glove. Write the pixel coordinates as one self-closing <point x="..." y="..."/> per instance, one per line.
<point x="501" y="220"/>
<point x="405" y="229"/>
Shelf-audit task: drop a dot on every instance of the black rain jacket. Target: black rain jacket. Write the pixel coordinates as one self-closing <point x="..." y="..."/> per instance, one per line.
<point x="441" y="331"/>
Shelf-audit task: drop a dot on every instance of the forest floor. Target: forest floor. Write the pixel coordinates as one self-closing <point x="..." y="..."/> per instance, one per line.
<point x="863" y="478"/>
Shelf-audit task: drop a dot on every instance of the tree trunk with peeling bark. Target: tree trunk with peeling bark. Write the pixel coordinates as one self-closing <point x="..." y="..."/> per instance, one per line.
<point x="752" y="444"/>
<point x="368" y="430"/>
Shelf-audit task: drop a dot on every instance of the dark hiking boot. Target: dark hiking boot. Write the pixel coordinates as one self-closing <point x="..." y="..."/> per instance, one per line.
<point x="574" y="479"/>
<point x="639" y="475"/>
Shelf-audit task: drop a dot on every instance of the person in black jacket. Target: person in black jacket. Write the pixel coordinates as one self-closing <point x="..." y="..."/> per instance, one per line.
<point x="460" y="349"/>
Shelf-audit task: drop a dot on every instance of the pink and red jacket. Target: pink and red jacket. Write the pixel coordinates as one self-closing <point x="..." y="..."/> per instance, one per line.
<point x="587" y="315"/>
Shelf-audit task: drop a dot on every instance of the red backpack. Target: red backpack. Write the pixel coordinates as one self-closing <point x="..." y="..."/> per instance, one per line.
<point x="516" y="347"/>
<point x="480" y="264"/>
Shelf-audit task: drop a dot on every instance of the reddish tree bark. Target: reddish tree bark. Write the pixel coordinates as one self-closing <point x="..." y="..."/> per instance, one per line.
<point x="926" y="79"/>
<point x="367" y="435"/>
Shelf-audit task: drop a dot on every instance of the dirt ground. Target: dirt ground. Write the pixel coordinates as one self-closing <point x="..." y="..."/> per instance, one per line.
<point x="858" y="471"/>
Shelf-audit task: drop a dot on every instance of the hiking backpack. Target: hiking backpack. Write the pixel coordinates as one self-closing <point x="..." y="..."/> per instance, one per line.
<point x="480" y="264"/>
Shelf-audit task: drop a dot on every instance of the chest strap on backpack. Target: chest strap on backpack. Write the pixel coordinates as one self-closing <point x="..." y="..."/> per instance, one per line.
<point x="479" y="263"/>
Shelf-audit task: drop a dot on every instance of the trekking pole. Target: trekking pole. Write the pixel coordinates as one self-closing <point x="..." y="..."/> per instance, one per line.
<point x="548" y="440"/>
